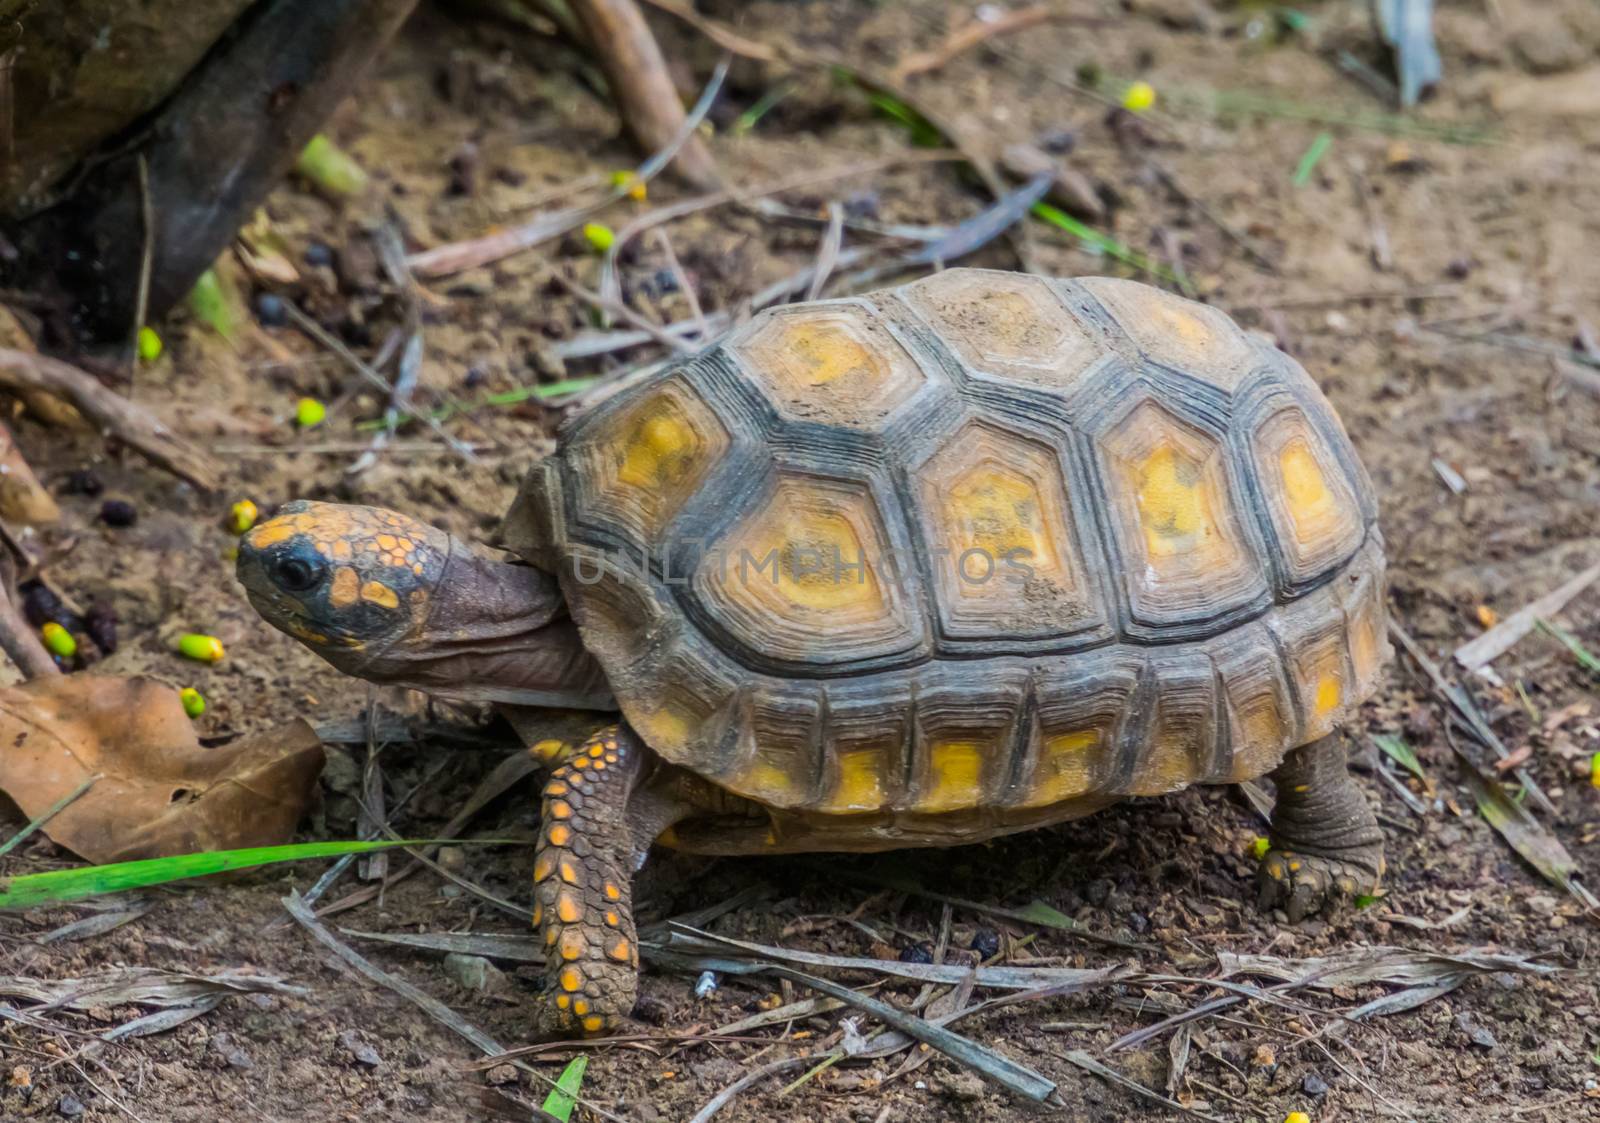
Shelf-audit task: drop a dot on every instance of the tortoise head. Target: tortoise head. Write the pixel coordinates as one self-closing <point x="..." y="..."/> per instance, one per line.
<point x="348" y="582"/>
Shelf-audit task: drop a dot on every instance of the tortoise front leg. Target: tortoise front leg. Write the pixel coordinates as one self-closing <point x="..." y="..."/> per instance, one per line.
<point x="592" y="836"/>
<point x="1326" y="841"/>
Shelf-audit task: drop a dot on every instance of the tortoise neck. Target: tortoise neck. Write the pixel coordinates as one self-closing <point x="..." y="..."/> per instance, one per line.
<point x="495" y="632"/>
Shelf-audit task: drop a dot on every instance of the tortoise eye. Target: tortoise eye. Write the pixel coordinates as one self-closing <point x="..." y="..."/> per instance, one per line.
<point x="297" y="574"/>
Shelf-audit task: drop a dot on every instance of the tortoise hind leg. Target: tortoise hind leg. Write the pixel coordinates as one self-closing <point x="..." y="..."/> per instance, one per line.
<point x="1326" y="841"/>
<point x="595" y="829"/>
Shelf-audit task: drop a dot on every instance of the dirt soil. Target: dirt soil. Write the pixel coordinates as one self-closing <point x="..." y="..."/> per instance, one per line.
<point x="1391" y="250"/>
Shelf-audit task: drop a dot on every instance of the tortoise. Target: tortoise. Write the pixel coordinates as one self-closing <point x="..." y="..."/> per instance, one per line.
<point x="977" y="554"/>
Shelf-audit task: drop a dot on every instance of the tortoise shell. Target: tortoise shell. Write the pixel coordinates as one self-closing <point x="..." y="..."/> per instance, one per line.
<point x="980" y="552"/>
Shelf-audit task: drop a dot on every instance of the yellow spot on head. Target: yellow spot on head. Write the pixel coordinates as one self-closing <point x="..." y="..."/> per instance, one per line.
<point x="270" y="533"/>
<point x="387" y="542"/>
<point x="376" y="592"/>
<point x="563" y="1001"/>
<point x="340" y="550"/>
<point x="580" y="1006"/>
<point x="344" y="588"/>
<point x="594" y="1023"/>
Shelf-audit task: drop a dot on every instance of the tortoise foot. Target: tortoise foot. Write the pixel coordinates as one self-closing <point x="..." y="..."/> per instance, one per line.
<point x="1302" y="884"/>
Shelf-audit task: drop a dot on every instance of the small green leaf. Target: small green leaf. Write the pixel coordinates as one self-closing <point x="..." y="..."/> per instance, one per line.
<point x="1366" y="900"/>
<point x="1401" y="753"/>
<point x="35" y="889"/>
<point x="330" y="168"/>
<point x="215" y="303"/>
<point x="1313" y="155"/>
<point x="1586" y="659"/>
<point x="564" y="1097"/>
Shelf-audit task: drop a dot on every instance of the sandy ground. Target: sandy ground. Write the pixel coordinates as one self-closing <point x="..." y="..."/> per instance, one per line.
<point x="1392" y="244"/>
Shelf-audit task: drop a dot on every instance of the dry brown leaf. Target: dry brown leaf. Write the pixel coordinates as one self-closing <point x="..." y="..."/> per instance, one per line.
<point x="23" y="498"/>
<point x="159" y="791"/>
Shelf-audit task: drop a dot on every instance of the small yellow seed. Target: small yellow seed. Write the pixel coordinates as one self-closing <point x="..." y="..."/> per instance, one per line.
<point x="309" y="412"/>
<point x="242" y="516"/>
<point x="149" y="345"/>
<point x="194" y="703"/>
<point x="1594" y="770"/>
<point x="201" y="648"/>
<point x="599" y="236"/>
<point x="1138" y="97"/>
<point x="58" y="640"/>
<point x="1297" y="1117"/>
<point x="1259" y="848"/>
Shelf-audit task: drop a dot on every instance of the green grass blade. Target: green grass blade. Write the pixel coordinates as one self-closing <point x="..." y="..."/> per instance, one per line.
<point x="1313" y="156"/>
<point x="1586" y="658"/>
<point x="1103" y="242"/>
<point x="1400" y="752"/>
<point x="51" y="812"/>
<point x="564" y="1097"/>
<point x="57" y="886"/>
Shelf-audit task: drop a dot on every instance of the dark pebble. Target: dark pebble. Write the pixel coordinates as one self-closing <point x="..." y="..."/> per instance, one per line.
<point x="101" y="624"/>
<point x="40" y="606"/>
<point x="986" y="942"/>
<point x="651" y="1011"/>
<point x="916" y="953"/>
<point x="359" y="1050"/>
<point x="319" y="254"/>
<point x="1058" y="141"/>
<point x="861" y="205"/>
<point x="1139" y="922"/>
<point x="476" y="376"/>
<point x="118" y="512"/>
<point x="1314" y="1085"/>
<point x="84" y="481"/>
<point x="270" y="310"/>
<point x="70" y="1106"/>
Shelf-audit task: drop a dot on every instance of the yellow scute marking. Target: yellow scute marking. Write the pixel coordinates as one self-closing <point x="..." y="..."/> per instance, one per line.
<point x="1172" y="503"/>
<point x="998" y="512"/>
<point x="1066" y="767"/>
<point x="376" y="592"/>
<point x="1330" y="692"/>
<point x="825" y="353"/>
<point x="860" y="783"/>
<point x="658" y="450"/>
<point x="1311" y="503"/>
<point x="816" y="553"/>
<point x="954" y="772"/>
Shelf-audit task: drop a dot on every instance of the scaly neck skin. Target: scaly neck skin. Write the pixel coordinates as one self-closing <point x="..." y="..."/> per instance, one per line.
<point x="495" y="632"/>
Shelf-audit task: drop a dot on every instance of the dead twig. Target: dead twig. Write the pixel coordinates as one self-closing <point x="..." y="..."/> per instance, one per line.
<point x="458" y="256"/>
<point x="1503" y="636"/>
<point x="972" y="34"/>
<point x="109" y="412"/>
<point x="827" y="250"/>
<point x="641" y="86"/>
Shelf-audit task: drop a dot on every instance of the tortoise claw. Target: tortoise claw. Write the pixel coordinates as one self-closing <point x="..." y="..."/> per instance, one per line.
<point x="1302" y="884"/>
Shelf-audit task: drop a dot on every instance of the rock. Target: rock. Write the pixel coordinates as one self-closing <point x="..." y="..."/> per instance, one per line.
<point x="474" y="972"/>
<point x="1476" y="1033"/>
<point x="1574" y="94"/>
<point x="501" y="1074"/>
<point x="359" y="1050"/>
<point x="962" y="1086"/>
<point x="916" y="953"/>
<point x="1314" y="1085"/>
<point x="1545" y="44"/>
<point x="70" y="1106"/>
<point x="986" y="942"/>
